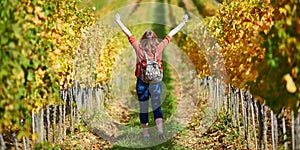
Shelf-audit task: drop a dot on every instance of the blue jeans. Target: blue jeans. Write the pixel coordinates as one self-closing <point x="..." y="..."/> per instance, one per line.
<point x="144" y="91"/>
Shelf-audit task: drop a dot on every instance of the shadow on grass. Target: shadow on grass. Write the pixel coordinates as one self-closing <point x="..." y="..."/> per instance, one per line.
<point x="133" y="139"/>
<point x="170" y="144"/>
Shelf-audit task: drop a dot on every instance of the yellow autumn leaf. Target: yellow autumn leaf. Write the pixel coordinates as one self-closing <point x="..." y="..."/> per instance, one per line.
<point x="289" y="21"/>
<point x="291" y="40"/>
<point x="283" y="11"/>
<point x="38" y="9"/>
<point x="295" y="71"/>
<point x="290" y="85"/>
<point x="34" y="136"/>
<point x="36" y="21"/>
<point x="287" y="7"/>
<point x="41" y="72"/>
<point x="59" y="24"/>
<point x="71" y="32"/>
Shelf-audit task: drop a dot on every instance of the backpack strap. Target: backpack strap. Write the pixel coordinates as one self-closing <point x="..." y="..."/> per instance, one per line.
<point x="145" y="55"/>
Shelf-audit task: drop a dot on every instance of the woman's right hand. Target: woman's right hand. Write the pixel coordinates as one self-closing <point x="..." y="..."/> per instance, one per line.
<point x="117" y="17"/>
<point x="123" y="27"/>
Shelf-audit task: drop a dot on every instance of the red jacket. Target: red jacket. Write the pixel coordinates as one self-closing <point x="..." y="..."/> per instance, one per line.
<point x="140" y="53"/>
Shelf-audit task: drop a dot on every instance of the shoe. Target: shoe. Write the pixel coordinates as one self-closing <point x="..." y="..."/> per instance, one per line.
<point x="146" y="138"/>
<point x="161" y="136"/>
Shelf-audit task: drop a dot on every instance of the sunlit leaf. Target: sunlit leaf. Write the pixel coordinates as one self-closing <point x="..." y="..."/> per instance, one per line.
<point x="290" y="84"/>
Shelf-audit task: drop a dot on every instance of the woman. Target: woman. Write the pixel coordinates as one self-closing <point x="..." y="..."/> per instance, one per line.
<point x="149" y="48"/>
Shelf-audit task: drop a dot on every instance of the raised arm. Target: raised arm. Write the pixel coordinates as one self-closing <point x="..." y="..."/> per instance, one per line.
<point x="122" y="26"/>
<point x="176" y="29"/>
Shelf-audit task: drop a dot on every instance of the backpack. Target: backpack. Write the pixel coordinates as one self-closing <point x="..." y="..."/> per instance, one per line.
<point x="151" y="72"/>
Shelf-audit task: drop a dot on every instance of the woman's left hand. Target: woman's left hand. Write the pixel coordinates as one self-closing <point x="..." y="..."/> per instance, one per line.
<point x="185" y="18"/>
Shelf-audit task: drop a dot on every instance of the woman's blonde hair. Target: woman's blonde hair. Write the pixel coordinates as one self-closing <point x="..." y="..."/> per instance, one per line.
<point x="149" y="41"/>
